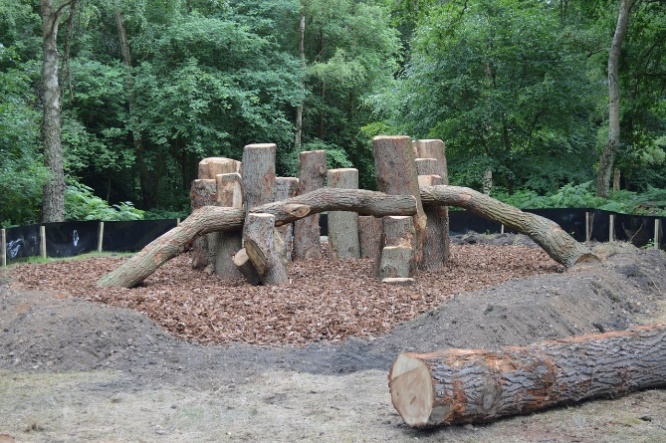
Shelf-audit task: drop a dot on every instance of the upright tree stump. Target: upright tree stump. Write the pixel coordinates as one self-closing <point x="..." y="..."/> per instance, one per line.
<point x="202" y="194"/>
<point x="437" y="150"/>
<point x="229" y="195"/>
<point x="436" y="249"/>
<point x="397" y="232"/>
<point x="307" y="245"/>
<point x="286" y="187"/>
<point x="258" y="172"/>
<point x="343" y="226"/>
<point x="210" y="167"/>
<point x="260" y="245"/>
<point x="395" y="169"/>
<point x="369" y="235"/>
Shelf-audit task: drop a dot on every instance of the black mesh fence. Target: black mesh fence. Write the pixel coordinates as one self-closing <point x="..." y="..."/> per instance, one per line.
<point x="68" y="239"/>
<point x="131" y="236"/>
<point x="22" y="242"/>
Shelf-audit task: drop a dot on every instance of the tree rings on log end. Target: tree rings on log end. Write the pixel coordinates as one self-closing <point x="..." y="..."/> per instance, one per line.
<point x="412" y="391"/>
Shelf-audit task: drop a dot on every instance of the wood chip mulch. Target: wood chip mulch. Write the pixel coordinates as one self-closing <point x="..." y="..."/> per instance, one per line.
<point x="325" y="300"/>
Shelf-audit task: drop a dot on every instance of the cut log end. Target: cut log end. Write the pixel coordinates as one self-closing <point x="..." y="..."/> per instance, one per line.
<point x="412" y="390"/>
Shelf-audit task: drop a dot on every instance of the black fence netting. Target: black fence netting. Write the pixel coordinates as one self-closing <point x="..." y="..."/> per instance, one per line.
<point x="22" y="242"/>
<point x="131" y="236"/>
<point x="68" y="239"/>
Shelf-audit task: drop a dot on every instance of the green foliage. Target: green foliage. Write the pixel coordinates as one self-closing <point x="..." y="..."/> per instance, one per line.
<point x="82" y="204"/>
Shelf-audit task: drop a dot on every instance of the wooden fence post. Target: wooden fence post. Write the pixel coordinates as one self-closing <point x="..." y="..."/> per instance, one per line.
<point x="100" y="237"/>
<point x="3" y="247"/>
<point x="657" y="224"/>
<point x="611" y="227"/>
<point x="42" y="241"/>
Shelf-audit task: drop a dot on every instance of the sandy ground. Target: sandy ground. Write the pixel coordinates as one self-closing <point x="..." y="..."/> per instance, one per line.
<point x="72" y="370"/>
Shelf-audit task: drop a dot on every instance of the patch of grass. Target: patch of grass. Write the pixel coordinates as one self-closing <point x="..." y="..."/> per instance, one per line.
<point x="87" y="255"/>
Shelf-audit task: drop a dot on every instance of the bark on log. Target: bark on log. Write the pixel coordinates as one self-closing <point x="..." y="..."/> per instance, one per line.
<point x="286" y="187"/>
<point x="395" y="171"/>
<point x="343" y="226"/>
<point x="259" y="235"/>
<point x="458" y="386"/>
<point x="395" y="262"/>
<point x="396" y="231"/>
<point x="202" y="193"/>
<point x="434" y="149"/>
<point x="229" y="195"/>
<point x="212" y="219"/>
<point x="436" y="249"/>
<point x="369" y="235"/>
<point x="258" y="173"/>
<point x="546" y="233"/>
<point x="312" y="176"/>
<point x="245" y="267"/>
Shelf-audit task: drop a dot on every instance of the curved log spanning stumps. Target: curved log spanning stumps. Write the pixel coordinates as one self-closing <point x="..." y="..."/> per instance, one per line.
<point x="458" y="386"/>
<point x="561" y="247"/>
<point x="212" y="218"/>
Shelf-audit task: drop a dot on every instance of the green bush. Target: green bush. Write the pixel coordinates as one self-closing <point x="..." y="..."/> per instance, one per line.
<point x="82" y="204"/>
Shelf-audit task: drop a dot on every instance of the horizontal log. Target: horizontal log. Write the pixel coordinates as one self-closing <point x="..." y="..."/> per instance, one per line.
<point x="459" y="386"/>
<point x="212" y="219"/>
<point x="559" y="245"/>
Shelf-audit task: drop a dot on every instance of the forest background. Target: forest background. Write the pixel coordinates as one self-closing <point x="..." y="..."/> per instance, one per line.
<point x="521" y="91"/>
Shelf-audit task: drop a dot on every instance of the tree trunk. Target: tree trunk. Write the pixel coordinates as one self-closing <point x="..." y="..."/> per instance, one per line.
<point x="458" y="386"/>
<point x="258" y="171"/>
<point x="395" y="170"/>
<point x="286" y="187"/>
<point x="549" y="235"/>
<point x="246" y="268"/>
<point x="203" y="193"/>
<point x="312" y="176"/>
<point x="397" y="231"/>
<point x="298" y="137"/>
<point x="259" y="235"/>
<point x="369" y="236"/>
<point x="343" y="226"/>
<point x="436" y="249"/>
<point x="608" y="155"/>
<point x="212" y="219"/>
<point x="229" y="195"/>
<point x="53" y="199"/>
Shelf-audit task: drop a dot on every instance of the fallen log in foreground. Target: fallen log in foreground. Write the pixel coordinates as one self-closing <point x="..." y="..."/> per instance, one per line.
<point x="561" y="247"/>
<point x="459" y="386"/>
<point x="213" y="218"/>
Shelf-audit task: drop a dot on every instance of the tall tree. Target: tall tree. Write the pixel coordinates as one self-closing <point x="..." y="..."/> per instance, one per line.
<point x="608" y="155"/>
<point x="53" y="203"/>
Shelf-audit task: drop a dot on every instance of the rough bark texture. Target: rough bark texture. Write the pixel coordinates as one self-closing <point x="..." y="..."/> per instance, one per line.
<point x="436" y="248"/>
<point x="212" y="219"/>
<point x="395" y="262"/>
<point x="245" y="267"/>
<point x="458" y="386"/>
<point x="343" y="226"/>
<point x="369" y="235"/>
<point x="306" y="232"/>
<point x="608" y="155"/>
<point x="397" y="231"/>
<point x="437" y="150"/>
<point x="286" y="187"/>
<point x="212" y="166"/>
<point x="395" y="170"/>
<point x="230" y="195"/>
<point x="203" y="193"/>
<point x="258" y="174"/>
<point x="53" y="199"/>
<point x="259" y="235"/>
<point x="546" y="233"/>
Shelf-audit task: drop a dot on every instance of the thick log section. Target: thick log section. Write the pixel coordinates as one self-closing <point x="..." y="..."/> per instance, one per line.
<point x="213" y="218"/>
<point x="436" y="149"/>
<point x="258" y="173"/>
<point x="230" y="195"/>
<point x="211" y="166"/>
<point x="369" y="235"/>
<point x="436" y="248"/>
<point x="395" y="170"/>
<point x="312" y="176"/>
<point x="246" y="268"/>
<point x="343" y="226"/>
<point x="546" y="233"/>
<point x="286" y="187"/>
<point x="202" y="193"/>
<point x="260" y="244"/>
<point x="395" y="263"/>
<point x="458" y="386"/>
<point x="397" y="231"/>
